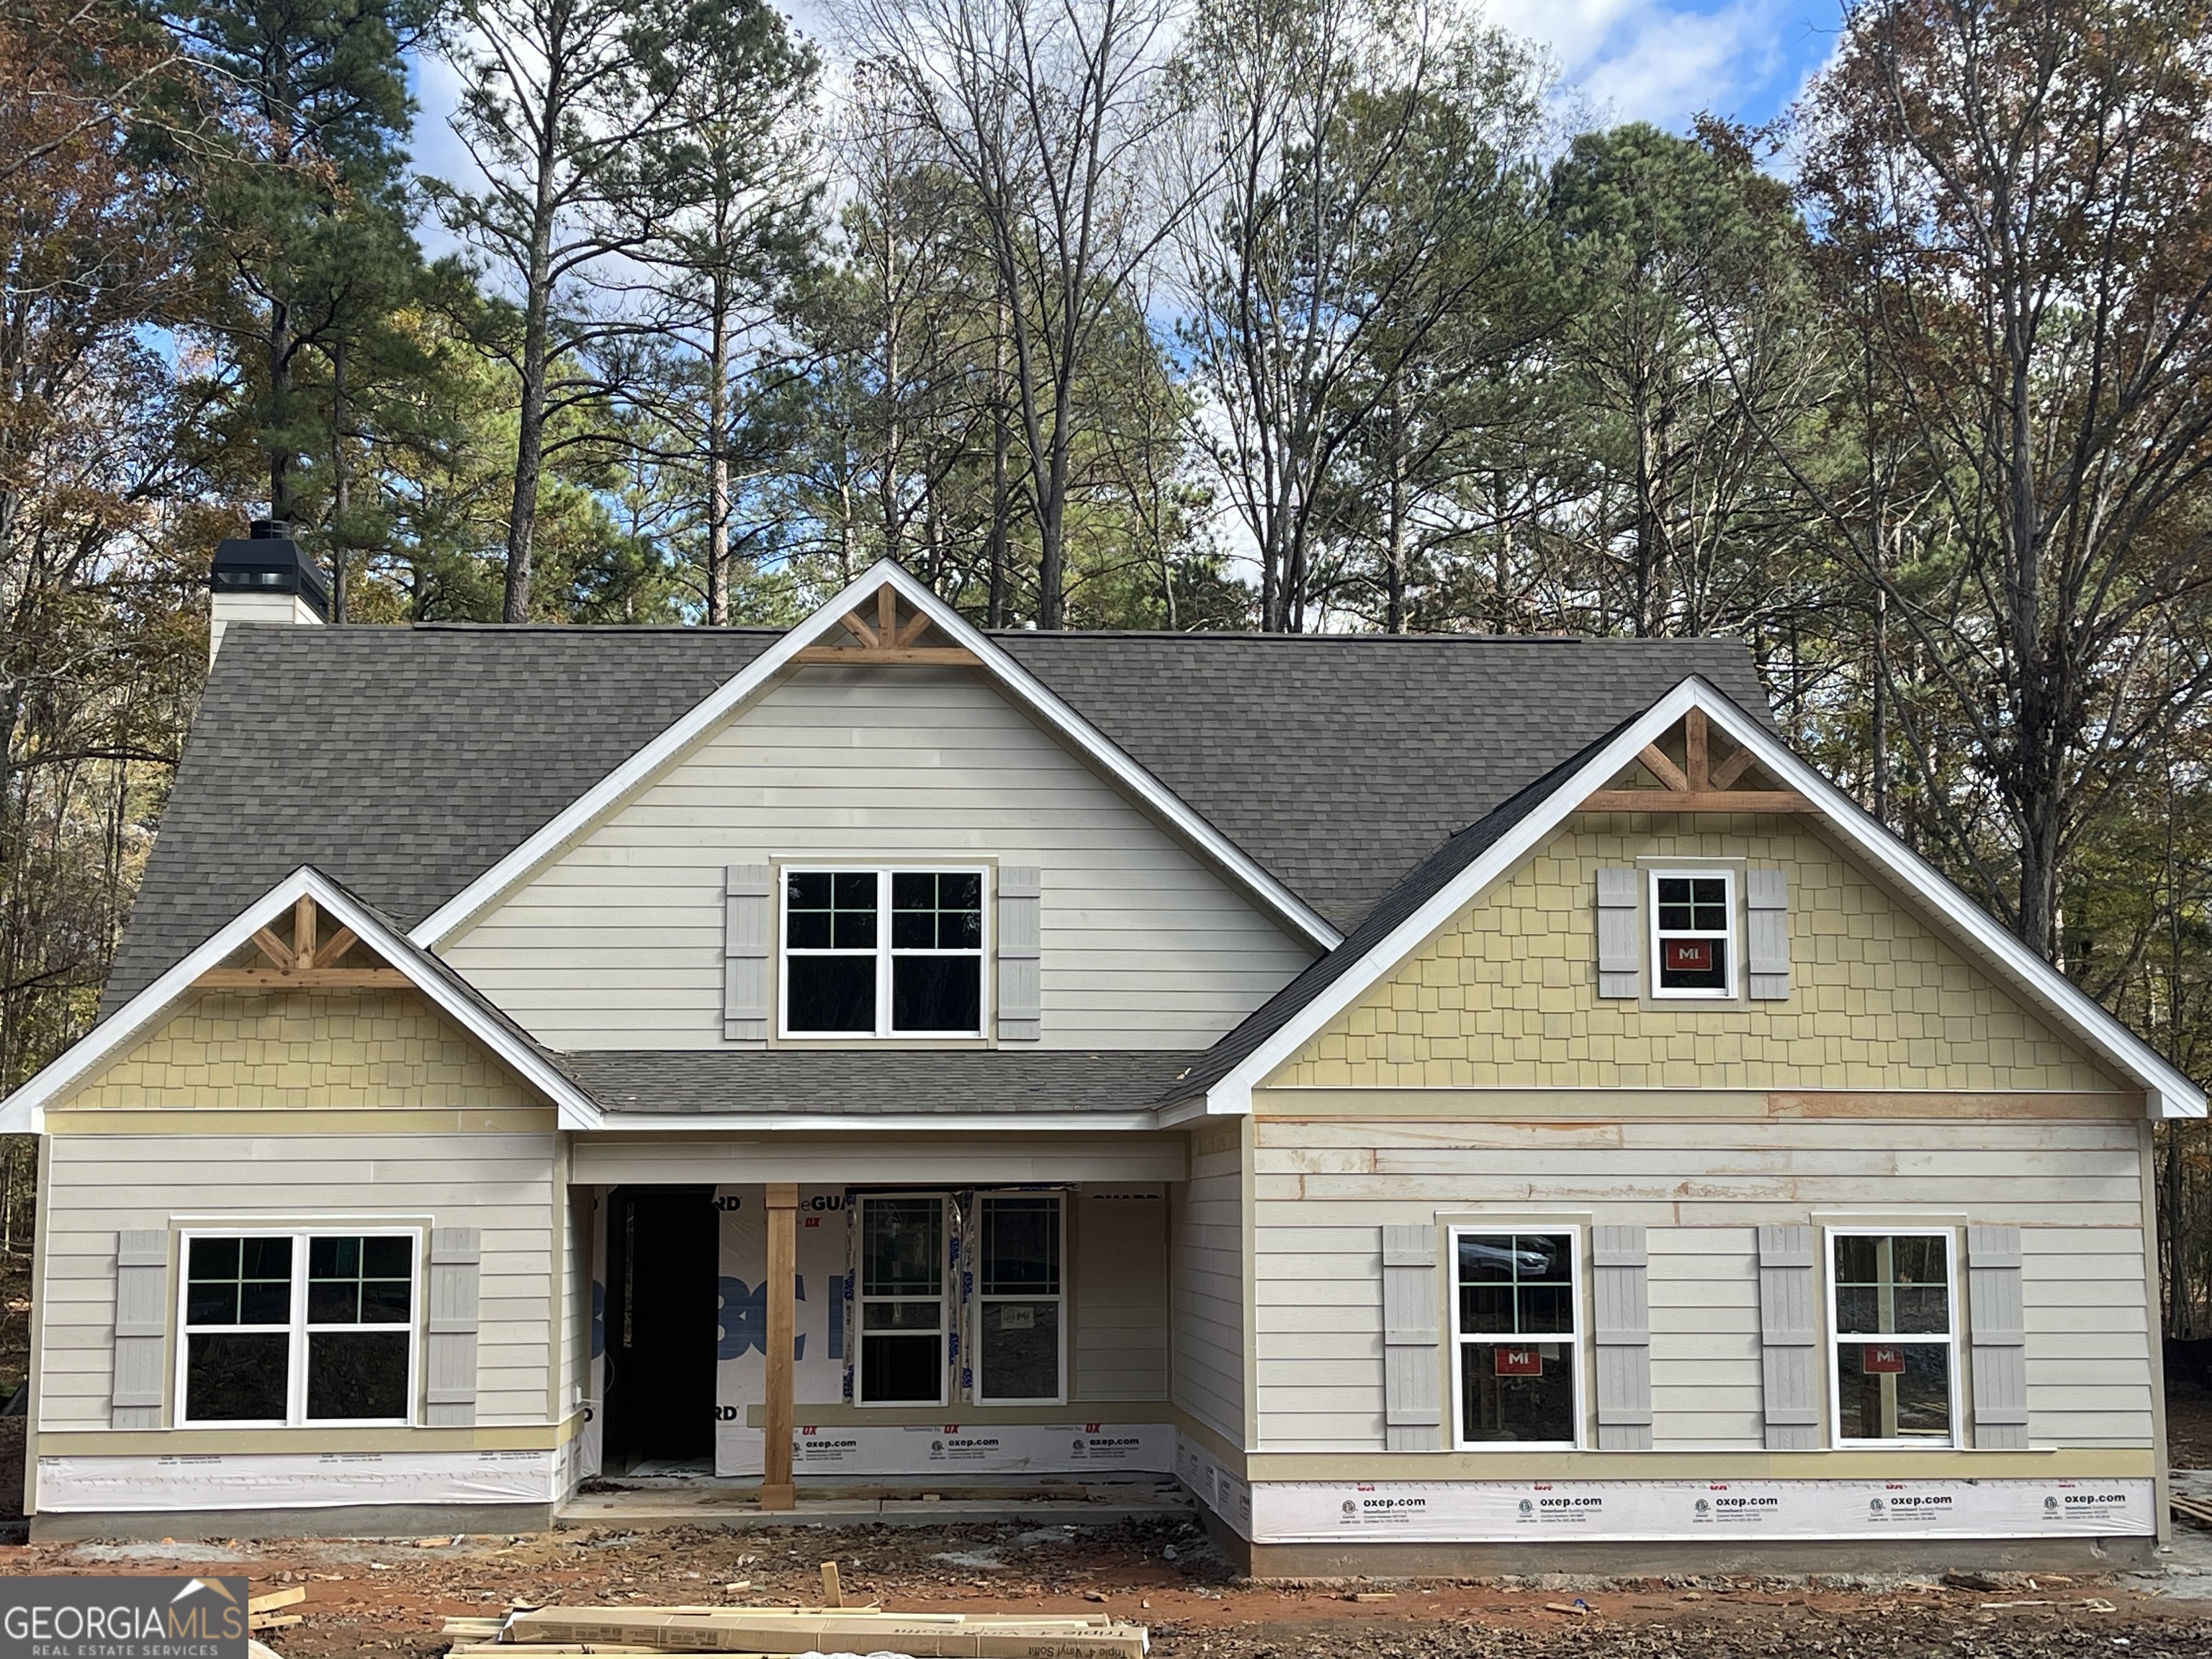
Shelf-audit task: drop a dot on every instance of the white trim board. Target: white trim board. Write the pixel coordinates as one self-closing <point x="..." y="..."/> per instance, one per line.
<point x="24" y="1111"/>
<point x="584" y="813"/>
<point x="2168" y="1093"/>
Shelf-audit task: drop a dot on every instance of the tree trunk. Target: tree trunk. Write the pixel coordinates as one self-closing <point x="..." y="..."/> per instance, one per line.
<point x="996" y="613"/>
<point x="530" y="419"/>
<point x="718" y="460"/>
<point x="340" y="482"/>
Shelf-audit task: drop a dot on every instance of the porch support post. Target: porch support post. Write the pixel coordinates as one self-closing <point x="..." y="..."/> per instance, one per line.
<point x="782" y="1326"/>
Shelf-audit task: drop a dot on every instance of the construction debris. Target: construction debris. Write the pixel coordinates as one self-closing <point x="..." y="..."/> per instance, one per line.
<point x="723" y="1631"/>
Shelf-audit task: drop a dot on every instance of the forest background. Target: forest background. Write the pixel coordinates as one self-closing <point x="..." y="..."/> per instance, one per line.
<point x="1276" y="315"/>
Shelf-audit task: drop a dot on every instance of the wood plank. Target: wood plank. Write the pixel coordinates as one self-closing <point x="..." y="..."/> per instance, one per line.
<point x="1657" y="763"/>
<point x="340" y="942"/>
<point x="1730" y="770"/>
<point x="272" y="947"/>
<point x="1697" y="746"/>
<point x="907" y="655"/>
<point x="887" y="614"/>
<point x="916" y="626"/>
<point x="1704" y="800"/>
<point x="306" y="979"/>
<point x="859" y="629"/>
<point x="303" y="931"/>
<point x="782" y="1203"/>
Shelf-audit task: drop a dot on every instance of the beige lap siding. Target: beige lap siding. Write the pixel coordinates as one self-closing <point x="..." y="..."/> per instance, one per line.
<point x="619" y="942"/>
<point x="101" y="1185"/>
<point x="1323" y="1189"/>
<point x="1206" y="1253"/>
<point x="1119" y="1338"/>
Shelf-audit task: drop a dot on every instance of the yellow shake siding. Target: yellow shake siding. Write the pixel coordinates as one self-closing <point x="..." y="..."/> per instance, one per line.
<point x="1506" y="996"/>
<point x="276" y="1050"/>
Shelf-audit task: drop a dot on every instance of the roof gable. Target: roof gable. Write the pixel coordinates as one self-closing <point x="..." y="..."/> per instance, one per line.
<point x="1435" y="892"/>
<point x="803" y="642"/>
<point x="23" y="1111"/>
<point x="1505" y="996"/>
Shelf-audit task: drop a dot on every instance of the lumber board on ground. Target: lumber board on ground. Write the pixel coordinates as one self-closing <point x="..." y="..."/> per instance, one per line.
<point x="730" y="1631"/>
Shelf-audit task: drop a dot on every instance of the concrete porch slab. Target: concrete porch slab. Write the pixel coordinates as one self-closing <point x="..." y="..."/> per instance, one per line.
<point x="681" y="1501"/>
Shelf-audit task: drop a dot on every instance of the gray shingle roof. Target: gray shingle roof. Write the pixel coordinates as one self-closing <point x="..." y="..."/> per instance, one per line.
<point x="404" y="763"/>
<point x="1422" y="883"/>
<point x="852" y="1082"/>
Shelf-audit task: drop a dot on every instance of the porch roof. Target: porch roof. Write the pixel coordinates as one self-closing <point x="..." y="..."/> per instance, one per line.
<point x="854" y="1082"/>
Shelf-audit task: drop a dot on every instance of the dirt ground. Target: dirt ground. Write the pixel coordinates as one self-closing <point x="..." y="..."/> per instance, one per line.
<point x="390" y="1596"/>
<point x="2188" y="1427"/>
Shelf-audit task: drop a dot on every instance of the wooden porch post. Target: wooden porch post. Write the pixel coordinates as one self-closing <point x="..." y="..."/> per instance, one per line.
<point x="782" y="1263"/>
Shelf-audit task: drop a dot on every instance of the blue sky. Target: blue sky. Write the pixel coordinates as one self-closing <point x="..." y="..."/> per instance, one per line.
<point x="1620" y="60"/>
<point x="1651" y="60"/>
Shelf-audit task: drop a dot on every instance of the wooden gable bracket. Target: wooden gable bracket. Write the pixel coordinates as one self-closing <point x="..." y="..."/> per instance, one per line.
<point x="303" y="965"/>
<point x="1698" y="786"/>
<point x="890" y="640"/>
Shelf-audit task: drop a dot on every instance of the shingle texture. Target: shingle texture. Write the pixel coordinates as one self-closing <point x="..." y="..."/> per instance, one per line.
<point x="1340" y="761"/>
<point x="852" y="1083"/>
<point x="406" y="763"/>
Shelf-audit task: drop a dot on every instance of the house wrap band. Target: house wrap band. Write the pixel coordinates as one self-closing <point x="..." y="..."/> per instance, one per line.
<point x="1449" y="1102"/>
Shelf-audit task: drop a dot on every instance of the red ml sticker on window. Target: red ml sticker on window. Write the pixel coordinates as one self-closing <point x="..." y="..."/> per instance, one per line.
<point x="1516" y="1362"/>
<point x="1878" y="1360"/>
<point x="1688" y="956"/>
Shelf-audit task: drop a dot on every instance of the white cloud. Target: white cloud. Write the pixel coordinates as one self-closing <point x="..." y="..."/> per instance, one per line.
<point x="1649" y="60"/>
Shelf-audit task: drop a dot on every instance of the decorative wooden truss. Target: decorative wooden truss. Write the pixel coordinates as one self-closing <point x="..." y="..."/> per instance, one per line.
<point x="1697" y="785"/>
<point x="890" y="639"/>
<point x="303" y="965"/>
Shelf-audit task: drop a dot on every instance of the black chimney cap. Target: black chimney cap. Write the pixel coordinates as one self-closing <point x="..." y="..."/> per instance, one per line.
<point x="268" y="561"/>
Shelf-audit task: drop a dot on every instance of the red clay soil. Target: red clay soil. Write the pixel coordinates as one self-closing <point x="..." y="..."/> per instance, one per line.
<point x="391" y="1596"/>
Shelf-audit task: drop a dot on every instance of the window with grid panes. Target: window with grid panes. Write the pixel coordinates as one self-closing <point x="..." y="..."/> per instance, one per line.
<point x="1515" y="1322"/>
<point x="298" y="1328"/>
<point x="1693" y="933"/>
<point x="882" y="953"/>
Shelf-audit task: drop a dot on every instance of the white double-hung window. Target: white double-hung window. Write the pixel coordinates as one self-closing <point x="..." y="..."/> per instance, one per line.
<point x="298" y="1328"/>
<point x="1516" y="1328"/>
<point x="1893" y="1320"/>
<point x="877" y="953"/>
<point x="1694" y="951"/>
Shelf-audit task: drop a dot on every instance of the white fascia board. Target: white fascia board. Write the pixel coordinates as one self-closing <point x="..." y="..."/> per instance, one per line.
<point x="582" y="814"/>
<point x="23" y="1112"/>
<point x="883" y="1123"/>
<point x="2168" y="1093"/>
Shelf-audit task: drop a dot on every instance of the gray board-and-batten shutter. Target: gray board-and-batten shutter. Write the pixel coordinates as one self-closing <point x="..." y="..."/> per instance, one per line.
<point x="748" y="912"/>
<point x="1021" y="991"/>
<point x="1766" y="955"/>
<point x="1413" y="1389"/>
<point x="141" y="1329"/>
<point x="1789" y="1336"/>
<point x="1621" y="1296"/>
<point x="1997" y="1321"/>
<point x="450" y="1351"/>
<point x="1620" y="947"/>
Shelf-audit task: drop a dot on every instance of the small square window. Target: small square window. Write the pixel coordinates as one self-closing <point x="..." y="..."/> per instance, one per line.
<point x="1694" y="933"/>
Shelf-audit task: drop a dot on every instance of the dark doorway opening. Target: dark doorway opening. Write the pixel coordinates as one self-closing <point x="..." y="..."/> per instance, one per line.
<point x="663" y="1244"/>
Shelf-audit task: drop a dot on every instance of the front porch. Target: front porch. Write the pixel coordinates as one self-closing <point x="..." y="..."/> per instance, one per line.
<point x="909" y="1324"/>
